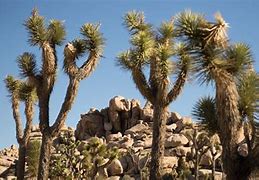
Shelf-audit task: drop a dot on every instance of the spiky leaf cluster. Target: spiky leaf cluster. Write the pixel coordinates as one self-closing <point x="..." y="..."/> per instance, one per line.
<point x="20" y="89"/>
<point x="12" y="84"/>
<point x="27" y="65"/>
<point x="80" y="47"/>
<point x="210" y="46"/>
<point x="36" y="28"/>
<point x="248" y="89"/>
<point x="93" y="38"/>
<point x="205" y="112"/>
<point x="54" y="33"/>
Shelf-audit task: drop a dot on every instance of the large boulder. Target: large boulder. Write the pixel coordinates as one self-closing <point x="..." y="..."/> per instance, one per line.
<point x="174" y="117"/>
<point x="119" y="103"/>
<point x="147" y="112"/>
<point x="140" y="128"/>
<point x="123" y="113"/>
<point x="176" y="140"/>
<point x="91" y="124"/>
<point x="114" y="137"/>
<point x="6" y="161"/>
<point x="115" y="168"/>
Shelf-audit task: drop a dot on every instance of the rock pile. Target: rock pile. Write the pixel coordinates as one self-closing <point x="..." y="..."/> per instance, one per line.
<point x="8" y="156"/>
<point x="124" y="124"/>
<point x="127" y="126"/>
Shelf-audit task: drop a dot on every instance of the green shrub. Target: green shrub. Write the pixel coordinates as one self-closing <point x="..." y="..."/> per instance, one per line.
<point x="33" y="156"/>
<point x="69" y="162"/>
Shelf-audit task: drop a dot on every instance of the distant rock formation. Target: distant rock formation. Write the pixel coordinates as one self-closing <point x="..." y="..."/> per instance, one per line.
<point x="124" y="124"/>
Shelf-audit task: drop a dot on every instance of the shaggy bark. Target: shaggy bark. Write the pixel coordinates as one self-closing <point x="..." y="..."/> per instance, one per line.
<point x="21" y="162"/>
<point x="157" y="152"/>
<point x="22" y="137"/>
<point x="51" y="132"/>
<point x="45" y="153"/>
<point x="230" y="126"/>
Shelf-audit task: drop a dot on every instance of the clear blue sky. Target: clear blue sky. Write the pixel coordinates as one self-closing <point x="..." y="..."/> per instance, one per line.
<point x="108" y="80"/>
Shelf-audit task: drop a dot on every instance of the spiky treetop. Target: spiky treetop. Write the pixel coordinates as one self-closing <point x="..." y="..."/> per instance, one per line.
<point x="205" y="112"/>
<point x="20" y="90"/>
<point x="248" y="89"/>
<point x="211" y="45"/>
<point x="154" y="48"/>
<point x="91" y="43"/>
<point x="39" y="33"/>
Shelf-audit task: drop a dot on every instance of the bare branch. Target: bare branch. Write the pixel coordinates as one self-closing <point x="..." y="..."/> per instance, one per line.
<point x="66" y="106"/>
<point x="17" y="117"/>
<point x="142" y="84"/>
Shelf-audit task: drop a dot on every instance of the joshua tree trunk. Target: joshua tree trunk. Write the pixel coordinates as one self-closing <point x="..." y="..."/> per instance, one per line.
<point x="230" y="126"/>
<point x="157" y="153"/>
<point x="21" y="162"/>
<point x="43" y="172"/>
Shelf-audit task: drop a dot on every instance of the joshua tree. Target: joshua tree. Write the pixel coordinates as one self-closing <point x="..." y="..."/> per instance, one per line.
<point x="217" y="60"/>
<point x="21" y="91"/>
<point x="154" y="48"/>
<point x="200" y="146"/>
<point x="205" y="112"/>
<point x="72" y="160"/>
<point x="47" y="38"/>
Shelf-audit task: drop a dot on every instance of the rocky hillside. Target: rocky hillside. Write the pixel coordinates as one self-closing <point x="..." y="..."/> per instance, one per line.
<point x="126" y="125"/>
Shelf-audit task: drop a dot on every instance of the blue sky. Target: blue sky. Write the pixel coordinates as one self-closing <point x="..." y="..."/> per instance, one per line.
<point x="108" y="80"/>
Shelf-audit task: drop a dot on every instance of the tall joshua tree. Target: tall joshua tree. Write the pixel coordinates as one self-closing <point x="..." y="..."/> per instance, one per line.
<point x="215" y="59"/>
<point x="154" y="48"/>
<point x="47" y="37"/>
<point x="21" y="91"/>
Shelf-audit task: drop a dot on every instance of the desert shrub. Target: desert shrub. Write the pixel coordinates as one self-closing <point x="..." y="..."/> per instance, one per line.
<point x="74" y="160"/>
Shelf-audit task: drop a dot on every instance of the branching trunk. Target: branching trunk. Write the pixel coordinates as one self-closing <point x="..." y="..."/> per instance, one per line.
<point x="22" y="137"/>
<point x="142" y="85"/>
<point x="157" y="152"/>
<point x="66" y="106"/>
<point x="17" y="117"/>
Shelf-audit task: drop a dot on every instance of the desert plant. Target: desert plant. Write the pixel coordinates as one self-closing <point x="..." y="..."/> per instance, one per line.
<point x="72" y="160"/>
<point x="183" y="170"/>
<point x="154" y="48"/>
<point x="200" y="145"/>
<point x="216" y="60"/>
<point x="47" y="38"/>
<point x="21" y="91"/>
<point x="32" y="158"/>
<point x="140" y="168"/>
